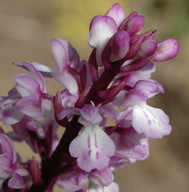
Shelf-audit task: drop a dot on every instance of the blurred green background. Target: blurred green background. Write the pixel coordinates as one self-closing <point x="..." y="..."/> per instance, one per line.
<point x="26" y="28"/>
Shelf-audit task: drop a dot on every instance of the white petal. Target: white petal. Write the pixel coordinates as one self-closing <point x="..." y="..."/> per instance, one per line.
<point x="152" y="122"/>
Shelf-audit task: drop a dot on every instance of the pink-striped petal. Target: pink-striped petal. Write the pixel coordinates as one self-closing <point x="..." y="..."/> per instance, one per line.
<point x="92" y="148"/>
<point x="152" y="122"/>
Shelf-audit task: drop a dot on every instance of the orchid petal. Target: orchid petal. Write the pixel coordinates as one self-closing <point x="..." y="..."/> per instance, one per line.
<point x="117" y="13"/>
<point x="5" y="166"/>
<point x="113" y="187"/>
<point x="93" y="148"/>
<point x="32" y="68"/>
<point x="68" y="99"/>
<point x="142" y="74"/>
<point x="152" y="122"/>
<point x="134" y="25"/>
<point x="43" y="69"/>
<point x="67" y="112"/>
<point x="166" y="50"/>
<point x="9" y="114"/>
<point x="22" y="172"/>
<point x="102" y="29"/>
<point x="67" y="80"/>
<point x="60" y="54"/>
<point x="26" y="85"/>
<point x="102" y="177"/>
<point x="147" y="48"/>
<point x="131" y="145"/>
<point x="75" y="181"/>
<point x="30" y="106"/>
<point x="142" y="91"/>
<point x="109" y="111"/>
<point x="7" y="147"/>
<point x="120" y="45"/>
<point x="64" y="54"/>
<point x="16" y="181"/>
<point x="89" y="115"/>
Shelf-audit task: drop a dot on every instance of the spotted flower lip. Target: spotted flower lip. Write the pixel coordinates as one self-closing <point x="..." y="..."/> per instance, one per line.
<point x="154" y="123"/>
<point x="102" y="109"/>
<point x="92" y="147"/>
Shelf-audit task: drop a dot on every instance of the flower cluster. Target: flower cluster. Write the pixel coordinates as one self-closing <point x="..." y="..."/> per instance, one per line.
<point x="113" y="84"/>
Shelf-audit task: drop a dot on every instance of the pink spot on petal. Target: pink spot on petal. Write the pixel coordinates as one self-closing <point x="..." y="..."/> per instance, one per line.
<point x="149" y="122"/>
<point x="146" y="115"/>
<point x="97" y="155"/>
<point x="89" y="142"/>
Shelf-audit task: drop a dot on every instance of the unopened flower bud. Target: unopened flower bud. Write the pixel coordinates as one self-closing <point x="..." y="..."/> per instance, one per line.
<point x="166" y="50"/>
<point x="147" y="48"/>
<point x="134" y="24"/>
<point x="120" y="45"/>
<point x="117" y="13"/>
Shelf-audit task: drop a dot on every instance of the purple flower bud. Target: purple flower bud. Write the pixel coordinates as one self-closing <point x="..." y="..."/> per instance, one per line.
<point x="120" y="45"/>
<point x="117" y="13"/>
<point x="133" y="24"/>
<point x="147" y="48"/>
<point x="131" y="15"/>
<point x="136" y="45"/>
<point x="102" y="28"/>
<point x="166" y="50"/>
